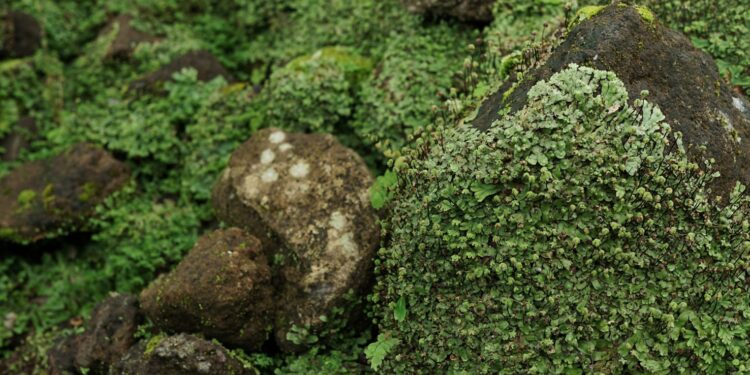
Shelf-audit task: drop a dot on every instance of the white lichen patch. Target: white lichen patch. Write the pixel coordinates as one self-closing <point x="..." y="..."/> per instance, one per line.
<point x="294" y="190"/>
<point x="277" y="137"/>
<point x="739" y="104"/>
<point x="249" y="187"/>
<point x="727" y="124"/>
<point x="344" y="245"/>
<point x="300" y="169"/>
<point x="338" y="221"/>
<point x="267" y="156"/>
<point x="270" y="175"/>
<point x="284" y="147"/>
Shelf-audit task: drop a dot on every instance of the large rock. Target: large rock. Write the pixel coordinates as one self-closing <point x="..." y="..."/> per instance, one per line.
<point x="682" y="80"/>
<point x="464" y="10"/>
<point x="222" y="289"/>
<point x="206" y="65"/>
<point x="178" y="355"/>
<point x="21" y="35"/>
<point x="312" y="194"/>
<point x="126" y="37"/>
<point x="108" y="336"/>
<point x="44" y="198"/>
<point x="15" y="142"/>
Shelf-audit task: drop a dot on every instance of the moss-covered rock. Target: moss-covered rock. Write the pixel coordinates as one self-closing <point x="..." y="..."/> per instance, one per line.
<point x="573" y="235"/>
<point x="46" y="198"/>
<point x="681" y="79"/>
<point x="221" y="289"/>
<point x="178" y="355"/>
<point x="206" y="65"/>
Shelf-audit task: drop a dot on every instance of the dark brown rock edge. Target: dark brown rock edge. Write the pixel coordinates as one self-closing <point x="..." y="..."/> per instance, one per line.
<point x="221" y="289"/>
<point x="108" y="336"/>
<point x="682" y="80"/>
<point x="46" y="198"/>
<point x="475" y="11"/>
<point x="182" y="354"/>
<point x="206" y="65"/>
<point x="22" y="35"/>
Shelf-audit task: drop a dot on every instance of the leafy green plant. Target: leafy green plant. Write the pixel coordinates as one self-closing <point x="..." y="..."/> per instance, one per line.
<point x="573" y="234"/>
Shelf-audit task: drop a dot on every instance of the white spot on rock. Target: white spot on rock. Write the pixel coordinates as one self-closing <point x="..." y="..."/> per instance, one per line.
<point x="267" y="156"/>
<point x="277" y="137"/>
<point x="343" y="245"/>
<point x="270" y="175"/>
<point x="284" y="147"/>
<point x="249" y="186"/>
<point x="338" y="220"/>
<point x="739" y="104"/>
<point x="299" y="169"/>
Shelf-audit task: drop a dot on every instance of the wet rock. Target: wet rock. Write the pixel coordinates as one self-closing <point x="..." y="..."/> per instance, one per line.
<point x="206" y="65"/>
<point x="682" y="80"/>
<point x="465" y="10"/>
<point x="19" y="139"/>
<point x="108" y="336"/>
<point x="221" y="289"/>
<point x="312" y="193"/>
<point x="126" y="38"/>
<point x="46" y="198"/>
<point x="182" y="354"/>
<point x="21" y="35"/>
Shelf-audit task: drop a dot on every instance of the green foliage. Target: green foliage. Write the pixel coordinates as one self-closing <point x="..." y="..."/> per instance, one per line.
<point x="414" y="76"/>
<point x="380" y="191"/>
<point x="609" y="254"/>
<point x="378" y="350"/>
<point x="323" y="86"/>
<point x="342" y="358"/>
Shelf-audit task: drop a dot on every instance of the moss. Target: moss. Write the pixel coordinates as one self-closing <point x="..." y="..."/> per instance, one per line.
<point x="645" y="13"/>
<point x="585" y="13"/>
<point x="48" y="196"/>
<point x="88" y="191"/>
<point x="152" y="343"/>
<point x="571" y="234"/>
<point x="26" y="199"/>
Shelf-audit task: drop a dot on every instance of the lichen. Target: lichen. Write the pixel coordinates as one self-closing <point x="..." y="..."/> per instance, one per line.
<point x="645" y="13"/>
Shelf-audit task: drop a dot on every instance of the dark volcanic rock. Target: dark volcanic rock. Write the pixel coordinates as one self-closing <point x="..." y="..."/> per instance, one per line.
<point x="21" y="33"/>
<point x="19" y="139"/>
<point x="222" y="289"/>
<point x="464" y="10"/>
<point x="178" y="355"/>
<point x="312" y="194"/>
<point x="44" y="198"/>
<point x="126" y="37"/>
<point x="207" y="66"/>
<point x="108" y="336"/>
<point x="682" y="80"/>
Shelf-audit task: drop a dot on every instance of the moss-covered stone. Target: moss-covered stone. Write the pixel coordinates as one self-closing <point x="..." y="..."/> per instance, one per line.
<point x="572" y="234"/>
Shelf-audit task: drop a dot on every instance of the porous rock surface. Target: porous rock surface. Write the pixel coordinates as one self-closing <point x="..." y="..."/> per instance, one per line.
<point x="222" y="289"/>
<point x="43" y="198"/>
<point x="682" y="80"/>
<point x="311" y="193"/>
<point x="464" y="10"/>
<point x="206" y="65"/>
<point x="126" y="38"/>
<point x="21" y="35"/>
<point x="108" y="336"/>
<point x="182" y="354"/>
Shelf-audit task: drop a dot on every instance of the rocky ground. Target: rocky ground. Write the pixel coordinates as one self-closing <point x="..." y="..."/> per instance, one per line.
<point x="224" y="189"/>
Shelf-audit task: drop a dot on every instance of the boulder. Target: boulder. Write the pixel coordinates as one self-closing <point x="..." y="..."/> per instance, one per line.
<point x="21" y="35"/>
<point x="682" y="80"/>
<point x="206" y="65"/>
<point x="312" y="194"/>
<point x="479" y="11"/>
<point x="45" y="198"/>
<point x="15" y="142"/>
<point x="126" y="37"/>
<point x="221" y="289"/>
<point x="182" y="354"/>
<point x="108" y="336"/>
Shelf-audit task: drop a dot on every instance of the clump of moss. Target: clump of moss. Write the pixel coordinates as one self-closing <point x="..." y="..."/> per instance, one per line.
<point x="573" y="235"/>
<point x="415" y="75"/>
<point x="316" y="92"/>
